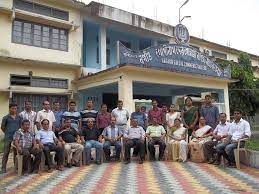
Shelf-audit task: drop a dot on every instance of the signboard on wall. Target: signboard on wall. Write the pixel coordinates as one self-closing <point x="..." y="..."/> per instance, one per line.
<point x="172" y="57"/>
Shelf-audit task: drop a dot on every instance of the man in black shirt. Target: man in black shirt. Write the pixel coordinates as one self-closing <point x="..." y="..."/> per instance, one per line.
<point x="71" y="140"/>
<point x="90" y="135"/>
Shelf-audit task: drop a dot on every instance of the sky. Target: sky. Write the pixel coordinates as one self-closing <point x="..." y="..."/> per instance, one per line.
<point x="233" y="23"/>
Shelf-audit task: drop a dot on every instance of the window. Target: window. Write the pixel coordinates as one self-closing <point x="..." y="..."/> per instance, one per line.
<point x="41" y="9"/>
<point x="39" y="35"/>
<point x="217" y="54"/>
<point x="24" y="80"/>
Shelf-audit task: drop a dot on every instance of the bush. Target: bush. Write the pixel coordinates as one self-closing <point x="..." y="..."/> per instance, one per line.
<point x="253" y="144"/>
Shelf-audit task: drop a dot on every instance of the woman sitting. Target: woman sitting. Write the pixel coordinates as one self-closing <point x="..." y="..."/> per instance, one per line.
<point x="177" y="147"/>
<point x="199" y="137"/>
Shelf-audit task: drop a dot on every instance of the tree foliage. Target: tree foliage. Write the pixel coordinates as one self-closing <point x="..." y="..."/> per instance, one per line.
<point x="242" y="94"/>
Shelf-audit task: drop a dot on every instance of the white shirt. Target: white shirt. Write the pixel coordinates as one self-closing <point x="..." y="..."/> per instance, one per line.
<point x="121" y="116"/>
<point x="238" y="130"/>
<point x="222" y="129"/>
<point x="46" y="136"/>
<point x="43" y="114"/>
<point x="31" y="116"/>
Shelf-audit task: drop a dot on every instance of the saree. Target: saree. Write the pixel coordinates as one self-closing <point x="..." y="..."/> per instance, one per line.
<point x="189" y="117"/>
<point x="196" y="145"/>
<point x="178" y="150"/>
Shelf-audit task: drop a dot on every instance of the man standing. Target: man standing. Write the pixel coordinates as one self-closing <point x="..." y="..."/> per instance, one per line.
<point x="134" y="136"/>
<point x="155" y="112"/>
<point x="90" y="135"/>
<point x="73" y="115"/>
<point x="70" y="138"/>
<point x="103" y="118"/>
<point x="239" y="129"/>
<point x="45" y="113"/>
<point x="88" y="113"/>
<point x="112" y="135"/>
<point x="122" y="116"/>
<point x="26" y="145"/>
<point x="165" y="111"/>
<point x="219" y="137"/>
<point x="140" y="116"/>
<point x="210" y="112"/>
<point x="48" y="141"/>
<point x="29" y="114"/>
<point x="156" y="134"/>
<point x="58" y="117"/>
<point x="10" y="124"/>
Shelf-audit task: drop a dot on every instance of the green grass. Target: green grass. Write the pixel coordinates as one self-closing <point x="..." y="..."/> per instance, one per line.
<point x="253" y="144"/>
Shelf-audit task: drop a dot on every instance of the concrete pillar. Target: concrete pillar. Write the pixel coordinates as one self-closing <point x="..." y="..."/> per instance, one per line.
<point x="102" y="47"/>
<point x="226" y="100"/>
<point x="125" y="92"/>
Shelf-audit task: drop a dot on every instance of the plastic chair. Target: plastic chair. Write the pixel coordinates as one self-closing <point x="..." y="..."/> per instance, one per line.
<point x="237" y="152"/>
<point x="19" y="161"/>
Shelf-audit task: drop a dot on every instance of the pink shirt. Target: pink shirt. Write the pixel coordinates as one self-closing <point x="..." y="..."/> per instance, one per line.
<point x="103" y="119"/>
<point x="157" y="113"/>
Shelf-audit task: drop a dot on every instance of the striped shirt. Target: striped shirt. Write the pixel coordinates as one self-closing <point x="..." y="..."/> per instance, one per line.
<point x="75" y="118"/>
<point x="88" y="114"/>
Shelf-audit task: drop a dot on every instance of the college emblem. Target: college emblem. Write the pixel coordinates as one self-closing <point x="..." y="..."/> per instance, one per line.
<point x="181" y="34"/>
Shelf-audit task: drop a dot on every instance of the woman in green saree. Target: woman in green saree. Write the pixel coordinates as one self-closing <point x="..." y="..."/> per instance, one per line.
<point x="190" y="116"/>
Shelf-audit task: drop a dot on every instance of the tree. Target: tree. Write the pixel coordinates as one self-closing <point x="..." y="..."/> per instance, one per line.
<point x="242" y="94"/>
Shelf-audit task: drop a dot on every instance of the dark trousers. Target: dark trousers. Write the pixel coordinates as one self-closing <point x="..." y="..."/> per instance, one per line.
<point x="26" y="152"/>
<point x="59" y="154"/>
<point x="7" y="148"/>
<point x="151" y="147"/>
<point x="209" y="149"/>
<point x="106" y="148"/>
<point x="140" y="146"/>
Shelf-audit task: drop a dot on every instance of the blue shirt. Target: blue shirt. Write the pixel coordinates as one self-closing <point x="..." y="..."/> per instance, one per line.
<point x="58" y="117"/>
<point x="10" y="125"/>
<point x="46" y="137"/>
<point x="74" y="116"/>
<point x="140" y="116"/>
<point x="211" y="115"/>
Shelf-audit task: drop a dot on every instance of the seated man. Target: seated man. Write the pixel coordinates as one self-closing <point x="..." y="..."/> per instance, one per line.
<point x="112" y="135"/>
<point x="90" y="135"/>
<point x="48" y="141"/>
<point x="134" y="136"/>
<point x="156" y="134"/>
<point x="220" y="135"/>
<point x="70" y="138"/>
<point x="26" y="145"/>
<point x="239" y="129"/>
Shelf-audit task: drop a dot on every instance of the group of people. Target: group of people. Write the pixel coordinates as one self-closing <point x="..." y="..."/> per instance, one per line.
<point x="199" y="134"/>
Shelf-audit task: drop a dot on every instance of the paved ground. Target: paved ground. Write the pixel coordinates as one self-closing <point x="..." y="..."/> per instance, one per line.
<point x="151" y="177"/>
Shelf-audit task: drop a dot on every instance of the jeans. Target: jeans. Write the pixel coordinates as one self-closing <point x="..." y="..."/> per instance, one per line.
<point x="93" y="144"/>
<point x="139" y="144"/>
<point x="228" y="150"/>
<point x="106" y="148"/>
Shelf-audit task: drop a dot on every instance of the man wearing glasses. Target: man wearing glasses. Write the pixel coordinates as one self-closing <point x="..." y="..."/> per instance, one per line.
<point x="45" y="113"/>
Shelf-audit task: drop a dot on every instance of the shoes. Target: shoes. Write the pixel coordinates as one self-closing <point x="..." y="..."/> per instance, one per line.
<point x="69" y="165"/>
<point x="60" y="168"/>
<point x="216" y="163"/>
<point x="127" y="162"/>
<point x="140" y="161"/>
<point x="98" y="162"/>
<point x="211" y="161"/>
<point x="117" y="159"/>
<point x="76" y="164"/>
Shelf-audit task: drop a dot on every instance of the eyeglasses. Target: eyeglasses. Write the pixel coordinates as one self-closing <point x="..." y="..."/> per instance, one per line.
<point x="45" y="104"/>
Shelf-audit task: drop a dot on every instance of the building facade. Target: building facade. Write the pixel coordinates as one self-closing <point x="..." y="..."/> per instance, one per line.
<point x="62" y="50"/>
